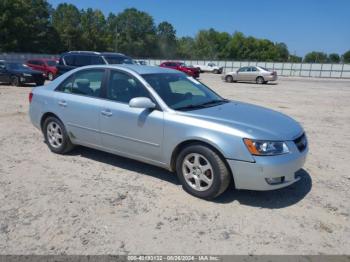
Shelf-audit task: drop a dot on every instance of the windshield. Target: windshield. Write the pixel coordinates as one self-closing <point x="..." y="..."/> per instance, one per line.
<point x="181" y="92"/>
<point x="51" y="63"/>
<point x="118" y="60"/>
<point x="16" y="66"/>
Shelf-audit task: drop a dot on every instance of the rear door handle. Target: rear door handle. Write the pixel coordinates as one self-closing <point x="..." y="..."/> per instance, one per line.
<point x="62" y="103"/>
<point x="106" y="112"/>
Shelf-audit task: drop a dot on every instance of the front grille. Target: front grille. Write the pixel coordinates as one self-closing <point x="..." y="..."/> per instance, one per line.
<point x="301" y="142"/>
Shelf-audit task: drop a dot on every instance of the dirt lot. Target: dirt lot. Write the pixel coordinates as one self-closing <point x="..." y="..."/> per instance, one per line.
<point x="91" y="202"/>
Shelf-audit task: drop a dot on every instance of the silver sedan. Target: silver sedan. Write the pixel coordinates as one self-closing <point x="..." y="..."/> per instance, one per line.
<point x="165" y="118"/>
<point x="257" y="74"/>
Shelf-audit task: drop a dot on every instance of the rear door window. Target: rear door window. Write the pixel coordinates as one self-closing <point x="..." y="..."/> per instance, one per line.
<point x="87" y="82"/>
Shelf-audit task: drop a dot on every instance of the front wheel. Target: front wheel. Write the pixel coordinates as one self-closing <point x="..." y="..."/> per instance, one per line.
<point x="15" y="81"/>
<point x="56" y="136"/>
<point x="40" y="83"/>
<point x="202" y="171"/>
<point x="216" y="71"/>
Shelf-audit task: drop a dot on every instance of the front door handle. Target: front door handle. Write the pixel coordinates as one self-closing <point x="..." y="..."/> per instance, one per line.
<point x="107" y="112"/>
<point x="62" y="103"/>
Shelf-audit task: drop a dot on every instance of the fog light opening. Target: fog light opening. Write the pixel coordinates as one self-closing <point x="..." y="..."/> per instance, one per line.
<point x="275" y="180"/>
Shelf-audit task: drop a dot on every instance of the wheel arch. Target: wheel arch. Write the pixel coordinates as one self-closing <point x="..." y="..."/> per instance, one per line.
<point x="45" y="116"/>
<point x="179" y="147"/>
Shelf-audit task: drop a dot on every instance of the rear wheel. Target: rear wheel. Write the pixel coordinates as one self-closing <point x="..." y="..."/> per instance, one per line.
<point x="56" y="136"/>
<point x="260" y="80"/>
<point x="229" y="79"/>
<point x="202" y="172"/>
<point x="216" y="71"/>
<point x="15" y="81"/>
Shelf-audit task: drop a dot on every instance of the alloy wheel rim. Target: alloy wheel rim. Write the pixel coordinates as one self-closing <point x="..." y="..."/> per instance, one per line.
<point x="197" y="171"/>
<point x="54" y="134"/>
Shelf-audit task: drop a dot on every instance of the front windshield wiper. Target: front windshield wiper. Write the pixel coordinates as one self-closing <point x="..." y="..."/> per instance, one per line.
<point x="189" y="107"/>
<point x="215" y="101"/>
<point x="203" y="105"/>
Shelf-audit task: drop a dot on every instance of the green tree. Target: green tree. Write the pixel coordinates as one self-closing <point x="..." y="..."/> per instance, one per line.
<point x="94" y="31"/>
<point x="210" y="44"/>
<point x="184" y="48"/>
<point x="346" y="57"/>
<point x="66" y="20"/>
<point x="315" y="57"/>
<point x="134" y="33"/>
<point x="295" y="59"/>
<point x="166" y="35"/>
<point x="25" y="26"/>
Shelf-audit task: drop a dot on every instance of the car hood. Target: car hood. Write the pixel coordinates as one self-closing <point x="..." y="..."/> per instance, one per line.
<point x="255" y="121"/>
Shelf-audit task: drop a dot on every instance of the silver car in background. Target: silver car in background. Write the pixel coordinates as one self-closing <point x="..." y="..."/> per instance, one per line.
<point x="257" y="74"/>
<point x="163" y="117"/>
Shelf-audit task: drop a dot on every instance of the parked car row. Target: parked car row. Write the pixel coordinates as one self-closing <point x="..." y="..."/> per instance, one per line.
<point x="18" y="74"/>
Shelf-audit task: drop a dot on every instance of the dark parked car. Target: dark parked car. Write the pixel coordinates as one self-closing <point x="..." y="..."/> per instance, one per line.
<point x="18" y="74"/>
<point x="74" y="59"/>
<point x="47" y="66"/>
<point x="191" y="71"/>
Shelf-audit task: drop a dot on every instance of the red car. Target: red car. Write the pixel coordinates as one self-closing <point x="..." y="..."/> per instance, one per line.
<point x="47" y="66"/>
<point x="191" y="71"/>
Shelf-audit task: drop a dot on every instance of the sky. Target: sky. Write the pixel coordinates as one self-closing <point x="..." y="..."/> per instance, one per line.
<point x="304" y="25"/>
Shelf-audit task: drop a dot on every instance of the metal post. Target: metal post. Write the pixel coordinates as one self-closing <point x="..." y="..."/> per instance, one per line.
<point x="321" y="70"/>
<point x="330" y="73"/>
<point x="310" y="70"/>
<point x="342" y="69"/>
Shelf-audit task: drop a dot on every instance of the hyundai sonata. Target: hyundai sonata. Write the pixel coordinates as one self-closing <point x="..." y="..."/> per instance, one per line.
<point x="163" y="117"/>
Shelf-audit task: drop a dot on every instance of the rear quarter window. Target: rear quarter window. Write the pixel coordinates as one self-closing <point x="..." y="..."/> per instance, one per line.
<point x="69" y="59"/>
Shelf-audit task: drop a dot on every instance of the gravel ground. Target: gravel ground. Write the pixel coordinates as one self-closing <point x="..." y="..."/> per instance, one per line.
<point x="90" y="202"/>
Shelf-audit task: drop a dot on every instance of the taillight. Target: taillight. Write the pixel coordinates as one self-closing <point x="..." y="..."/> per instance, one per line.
<point x="30" y="97"/>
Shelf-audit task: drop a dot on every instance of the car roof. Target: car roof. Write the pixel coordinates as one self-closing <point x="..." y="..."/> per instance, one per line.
<point x="93" y="53"/>
<point x="139" y="69"/>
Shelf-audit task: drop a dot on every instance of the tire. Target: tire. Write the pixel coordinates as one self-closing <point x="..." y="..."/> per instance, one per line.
<point x="15" y="81"/>
<point x="41" y="83"/>
<point x="196" y="162"/>
<point x="229" y="79"/>
<point x="50" y="76"/>
<point x="57" y="139"/>
<point x="216" y="71"/>
<point x="260" y="80"/>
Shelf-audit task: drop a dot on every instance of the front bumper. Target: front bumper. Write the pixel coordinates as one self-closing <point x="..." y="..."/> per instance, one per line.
<point x="253" y="176"/>
<point x="32" y="79"/>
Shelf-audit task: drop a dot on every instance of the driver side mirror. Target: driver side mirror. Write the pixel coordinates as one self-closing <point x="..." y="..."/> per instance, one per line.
<point x="142" y="102"/>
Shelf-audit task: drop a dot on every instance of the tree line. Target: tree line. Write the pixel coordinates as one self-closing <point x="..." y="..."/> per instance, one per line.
<point x="35" y="26"/>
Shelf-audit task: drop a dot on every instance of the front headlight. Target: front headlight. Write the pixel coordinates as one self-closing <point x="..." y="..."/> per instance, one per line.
<point x="25" y="74"/>
<point x="266" y="148"/>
